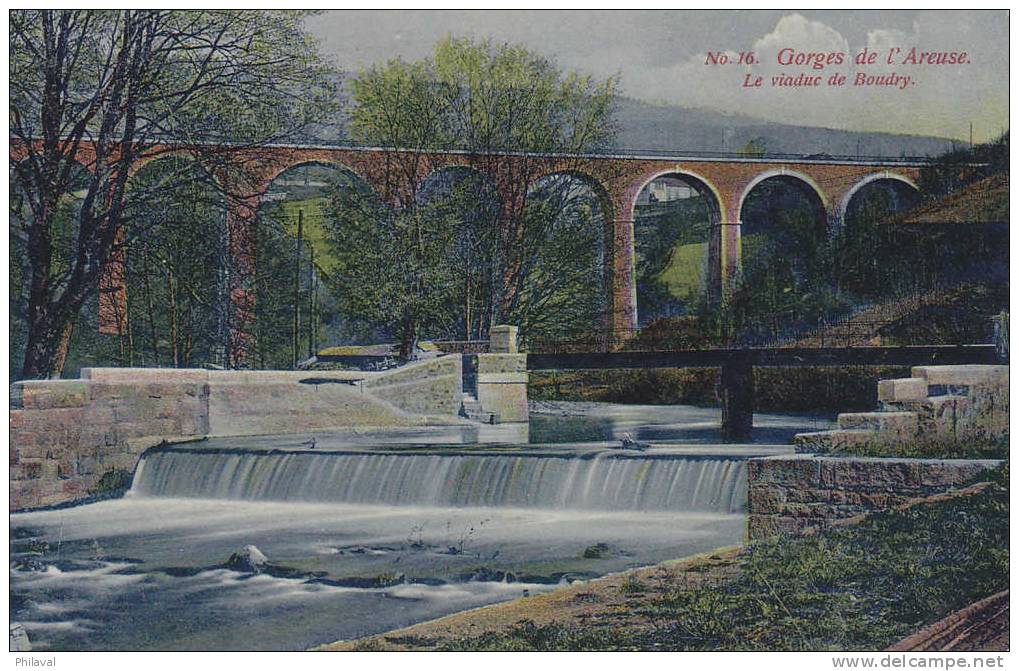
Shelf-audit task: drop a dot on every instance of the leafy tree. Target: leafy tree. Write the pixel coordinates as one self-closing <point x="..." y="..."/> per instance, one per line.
<point x="177" y="265"/>
<point x="120" y="83"/>
<point x="955" y="169"/>
<point x="391" y="264"/>
<point x="786" y="263"/>
<point x="275" y="271"/>
<point x="563" y="271"/>
<point x="755" y="147"/>
<point x="484" y="99"/>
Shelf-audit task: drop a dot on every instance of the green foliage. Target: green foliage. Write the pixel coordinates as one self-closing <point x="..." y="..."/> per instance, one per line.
<point x="562" y="264"/>
<point x="671" y="248"/>
<point x="755" y="147"/>
<point x="446" y="256"/>
<point x="785" y="274"/>
<point x="973" y="448"/>
<point x="277" y="268"/>
<point x="526" y="636"/>
<point x="122" y="82"/>
<point x="632" y="585"/>
<point x="596" y="551"/>
<point x="392" y="269"/>
<point x="821" y="390"/>
<point x="373" y="644"/>
<point x="960" y="315"/>
<point x="480" y="96"/>
<point x="955" y="169"/>
<point x="850" y="588"/>
<point x="112" y="483"/>
<point x="176" y="266"/>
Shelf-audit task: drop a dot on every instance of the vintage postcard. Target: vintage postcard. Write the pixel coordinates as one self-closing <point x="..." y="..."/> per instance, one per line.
<point x="517" y="330"/>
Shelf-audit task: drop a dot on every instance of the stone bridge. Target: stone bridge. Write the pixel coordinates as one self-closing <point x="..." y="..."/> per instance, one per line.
<point x="617" y="179"/>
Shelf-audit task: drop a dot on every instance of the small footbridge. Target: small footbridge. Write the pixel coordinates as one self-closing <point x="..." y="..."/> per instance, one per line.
<point x="736" y="381"/>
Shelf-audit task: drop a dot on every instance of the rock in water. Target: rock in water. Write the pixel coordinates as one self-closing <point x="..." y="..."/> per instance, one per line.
<point x="19" y="639"/>
<point x="629" y="443"/>
<point x="248" y="559"/>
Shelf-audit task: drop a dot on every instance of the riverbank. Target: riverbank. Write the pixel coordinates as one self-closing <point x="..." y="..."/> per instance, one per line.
<point x="860" y="587"/>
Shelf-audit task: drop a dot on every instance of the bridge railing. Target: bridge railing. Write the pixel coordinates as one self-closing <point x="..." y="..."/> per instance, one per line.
<point x="462" y="346"/>
<point x="982" y="328"/>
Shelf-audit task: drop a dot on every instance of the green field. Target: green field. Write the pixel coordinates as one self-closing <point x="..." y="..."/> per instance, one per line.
<point x="684" y="275"/>
<point x="314" y="228"/>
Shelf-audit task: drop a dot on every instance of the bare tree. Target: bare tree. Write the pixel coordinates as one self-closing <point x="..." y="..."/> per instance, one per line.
<point x="110" y="88"/>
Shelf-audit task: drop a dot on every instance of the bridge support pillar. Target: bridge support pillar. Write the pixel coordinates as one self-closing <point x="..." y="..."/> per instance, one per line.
<point x="736" y="390"/>
<point x="241" y="246"/>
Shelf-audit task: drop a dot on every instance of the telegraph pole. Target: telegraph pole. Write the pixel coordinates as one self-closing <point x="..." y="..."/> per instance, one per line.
<point x="311" y="302"/>
<point x="297" y="287"/>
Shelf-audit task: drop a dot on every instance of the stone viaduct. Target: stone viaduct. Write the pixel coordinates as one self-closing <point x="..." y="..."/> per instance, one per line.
<point x="618" y="179"/>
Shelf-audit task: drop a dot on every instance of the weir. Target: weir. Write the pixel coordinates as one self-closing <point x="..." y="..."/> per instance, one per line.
<point x="600" y="480"/>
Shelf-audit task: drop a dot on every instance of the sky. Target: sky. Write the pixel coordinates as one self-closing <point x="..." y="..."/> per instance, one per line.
<point x="659" y="56"/>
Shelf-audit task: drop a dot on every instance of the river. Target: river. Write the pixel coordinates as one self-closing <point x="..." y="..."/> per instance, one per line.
<point x="369" y="531"/>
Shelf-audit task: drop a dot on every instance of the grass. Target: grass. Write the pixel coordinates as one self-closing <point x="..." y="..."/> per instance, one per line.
<point x="314" y="232"/>
<point x="112" y="484"/>
<point x="987" y="448"/>
<point x="862" y="587"/>
<point x="682" y="276"/>
<point x="596" y="551"/>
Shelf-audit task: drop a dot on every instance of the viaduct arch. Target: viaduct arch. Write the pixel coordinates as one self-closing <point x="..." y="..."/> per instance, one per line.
<point x="395" y="175"/>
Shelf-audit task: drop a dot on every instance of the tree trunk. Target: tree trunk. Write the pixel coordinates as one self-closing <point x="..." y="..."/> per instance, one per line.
<point x="172" y="292"/>
<point x="467" y="307"/>
<point x="46" y="352"/>
<point x="408" y="339"/>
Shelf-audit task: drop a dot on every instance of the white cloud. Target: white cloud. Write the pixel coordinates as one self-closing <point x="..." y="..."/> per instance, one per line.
<point x="942" y="100"/>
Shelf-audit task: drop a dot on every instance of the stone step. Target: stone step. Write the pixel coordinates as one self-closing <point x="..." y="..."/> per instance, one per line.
<point x="972" y="375"/>
<point x="821" y="442"/>
<point x="902" y="389"/>
<point x="471" y="408"/>
<point x="931" y="405"/>
<point x="483" y="417"/>
<point x="904" y="424"/>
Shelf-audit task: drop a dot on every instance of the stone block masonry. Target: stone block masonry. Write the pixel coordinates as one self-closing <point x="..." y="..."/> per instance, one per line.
<point x="502" y="385"/>
<point x="66" y="434"/>
<point x="937" y="404"/>
<point x="800" y="493"/>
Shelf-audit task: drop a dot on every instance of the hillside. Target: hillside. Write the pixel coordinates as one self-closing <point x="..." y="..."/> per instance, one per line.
<point x="646" y="126"/>
<point x="659" y="127"/>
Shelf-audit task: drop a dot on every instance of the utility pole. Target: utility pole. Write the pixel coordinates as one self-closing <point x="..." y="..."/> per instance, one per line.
<point x="297" y="287"/>
<point x="311" y="302"/>
<point x="971" y="134"/>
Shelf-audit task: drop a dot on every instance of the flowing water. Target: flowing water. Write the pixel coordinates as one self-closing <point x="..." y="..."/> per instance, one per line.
<point x="369" y="532"/>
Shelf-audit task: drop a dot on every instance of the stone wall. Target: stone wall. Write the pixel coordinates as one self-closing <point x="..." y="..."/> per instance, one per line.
<point x="66" y="434"/>
<point x="432" y="387"/>
<point x="937" y="405"/>
<point x="502" y="385"/>
<point x="795" y="493"/>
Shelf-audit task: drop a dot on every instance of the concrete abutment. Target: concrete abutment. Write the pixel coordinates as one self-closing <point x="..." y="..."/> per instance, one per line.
<point x="67" y="434"/>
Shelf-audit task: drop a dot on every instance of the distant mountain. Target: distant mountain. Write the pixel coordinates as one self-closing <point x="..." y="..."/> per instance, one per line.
<point x="666" y="128"/>
<point x="645" y="126"/>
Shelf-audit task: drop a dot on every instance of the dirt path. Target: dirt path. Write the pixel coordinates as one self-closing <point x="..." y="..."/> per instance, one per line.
<point x="604" y="602"/>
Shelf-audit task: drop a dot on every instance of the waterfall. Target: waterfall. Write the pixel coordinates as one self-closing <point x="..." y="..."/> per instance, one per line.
<point x="598" y="481"/>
